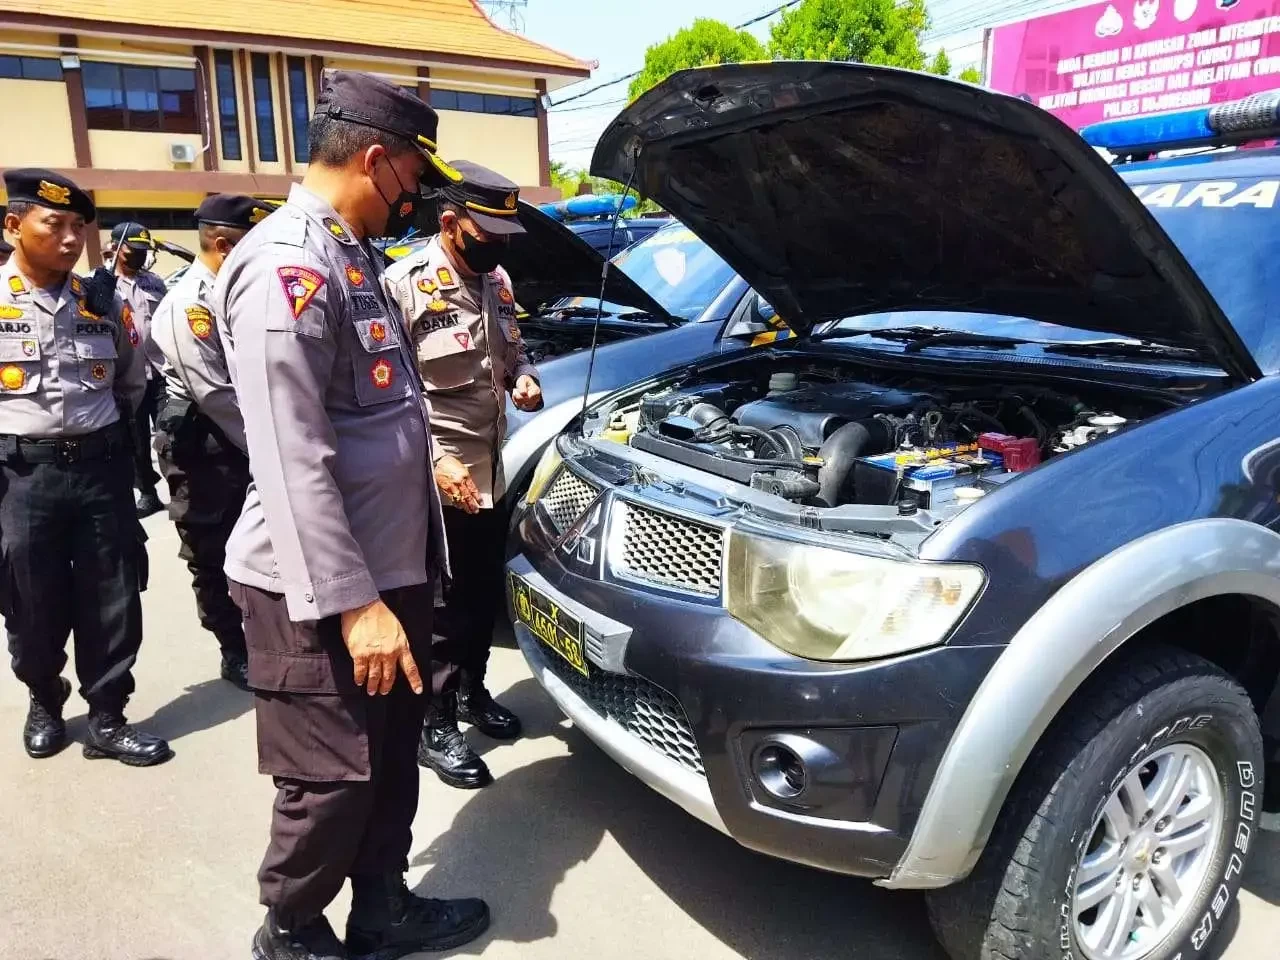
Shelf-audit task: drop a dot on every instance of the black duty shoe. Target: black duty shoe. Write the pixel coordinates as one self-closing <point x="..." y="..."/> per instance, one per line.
<point x="111" y="738"/>
<point x="478" y="708"/>
<point x="315" y="941"/>
<point x="148" y="504"/>
<point x="388" y="922"/>
<point x="445" y="750"/>
<point x="235" y="670"/>
<point x="44" y="733"/>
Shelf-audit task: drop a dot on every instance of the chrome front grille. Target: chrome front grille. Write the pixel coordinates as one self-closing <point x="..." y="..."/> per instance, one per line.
<point x="670" y="551"/>
<point x="641" y="708"/>
<point x="566" y="498"/>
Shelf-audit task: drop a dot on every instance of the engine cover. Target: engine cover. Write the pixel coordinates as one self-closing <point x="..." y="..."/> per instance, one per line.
<point x="816" y="410"/>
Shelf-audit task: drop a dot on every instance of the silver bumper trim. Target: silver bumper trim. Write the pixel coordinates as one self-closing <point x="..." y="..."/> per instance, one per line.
<point x="680" y="786"/>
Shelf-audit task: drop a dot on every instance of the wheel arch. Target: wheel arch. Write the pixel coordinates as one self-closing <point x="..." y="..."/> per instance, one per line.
<point x="1117" y="599"/>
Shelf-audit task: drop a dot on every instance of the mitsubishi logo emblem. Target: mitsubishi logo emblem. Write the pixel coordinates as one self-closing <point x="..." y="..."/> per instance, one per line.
<point x="582" y="538"/>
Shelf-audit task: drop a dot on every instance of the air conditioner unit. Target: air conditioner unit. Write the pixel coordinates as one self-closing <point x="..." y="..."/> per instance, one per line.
<point x="182" y="153"/>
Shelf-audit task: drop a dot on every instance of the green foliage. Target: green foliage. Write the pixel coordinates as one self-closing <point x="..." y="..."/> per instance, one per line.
<point x="703" y="43"/>
<point x="885" y="32"/>
<point x="971" y="75"/>
<point x="941" y="64"/>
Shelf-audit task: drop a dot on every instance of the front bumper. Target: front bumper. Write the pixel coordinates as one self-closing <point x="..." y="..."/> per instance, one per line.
<point x="684" y="696"/>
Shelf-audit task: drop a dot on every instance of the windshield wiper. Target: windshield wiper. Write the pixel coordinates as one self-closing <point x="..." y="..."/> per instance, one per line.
<point x="1124" y="348"/>
<point x="577" y="311"/>
<point x="647" y="315"/>
<point x="918" y="338"/>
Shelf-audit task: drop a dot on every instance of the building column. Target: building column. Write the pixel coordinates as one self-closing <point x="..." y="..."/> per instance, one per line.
<point x="74" y="82"/>
<point x="544" y="138"/>
<point x="317" y="74"/>
<point x="250" y="111"/>
<point x="286" y="111"/>
<point x="424" y="84"/>
<point x="204" y="95"/>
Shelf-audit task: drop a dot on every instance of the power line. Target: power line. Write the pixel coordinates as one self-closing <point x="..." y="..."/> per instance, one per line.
<point x="635" y="73"/>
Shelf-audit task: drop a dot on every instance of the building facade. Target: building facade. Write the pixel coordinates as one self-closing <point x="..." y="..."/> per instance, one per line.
<point x="960" y="26"/>
<point x="153" y="106"/>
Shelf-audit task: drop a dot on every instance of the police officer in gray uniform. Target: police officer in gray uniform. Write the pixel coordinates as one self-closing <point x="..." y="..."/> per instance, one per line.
<point x="73" y="553"/>
<point x="200" y="434"/>
<point x="334" y="556"/>
<point x="6" y="251"/>
<point x="131" y="249"/>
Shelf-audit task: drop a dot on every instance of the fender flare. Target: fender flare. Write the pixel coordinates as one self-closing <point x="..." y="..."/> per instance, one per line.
<point x="1048" y="659"/>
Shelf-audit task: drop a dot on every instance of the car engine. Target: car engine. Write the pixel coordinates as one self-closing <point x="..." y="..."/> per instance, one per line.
<point x="817" y="439"/>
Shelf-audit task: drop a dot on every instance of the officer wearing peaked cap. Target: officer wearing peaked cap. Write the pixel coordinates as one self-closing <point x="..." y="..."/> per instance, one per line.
<point x="460" y="308"/>
<point x="131" y="249"/>
<point x="199" y="433"/>
<point x="6" y="251"/>
<point x="334" y="556"/>
<point x="73" y="553"/>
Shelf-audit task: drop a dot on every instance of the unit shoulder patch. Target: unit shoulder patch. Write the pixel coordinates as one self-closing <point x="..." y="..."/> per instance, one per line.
<point x="200" y="320"/>
<point x="300" y="285"/>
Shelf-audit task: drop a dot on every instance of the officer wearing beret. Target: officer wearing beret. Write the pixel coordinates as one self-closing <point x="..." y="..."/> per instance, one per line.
<point x="74" y="560"/>
<point x="460" y="308"/>
<point x="6" y="251"/>
<point x="200" y="434"/>
<point x="334" y="556"/>
<point x="131" y="249"/>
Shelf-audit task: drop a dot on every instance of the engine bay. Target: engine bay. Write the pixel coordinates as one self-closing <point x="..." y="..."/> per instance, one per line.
<point x="817" y="437"/>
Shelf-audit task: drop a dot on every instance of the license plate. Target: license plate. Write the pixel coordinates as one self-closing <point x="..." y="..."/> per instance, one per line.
<point x="549" y="622"/>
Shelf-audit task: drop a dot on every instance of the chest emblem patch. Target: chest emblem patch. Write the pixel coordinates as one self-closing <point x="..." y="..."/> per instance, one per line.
<point x="28" y="348"/>
<point x="378" y="331"/>
<point x="300" y="285"/>
<point x="355" y="275"/>
<point x="126" y="315"/>
<point x="12" y="378"/>
<point x="200" y="320"/>
<point x="426" y="286"/>
<point x="99" y="371"/>
<point x="445" y="276"/>
<point x="382" y="374"/>
<point x="464" y="340"/>
<point x="16" y="285"/>
<point x="505" y="295"/>
<point x="437" y="305"/>
<point x="76" y="287"/>
<point x="9" y="313"/>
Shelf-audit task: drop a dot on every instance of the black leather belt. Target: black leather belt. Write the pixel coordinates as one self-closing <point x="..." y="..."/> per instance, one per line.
<point x="100" y="445"/>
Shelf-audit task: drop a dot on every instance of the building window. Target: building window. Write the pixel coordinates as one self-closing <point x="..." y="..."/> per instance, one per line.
<point x="224" y="68"/>
<point x="30" y="68"/>
<point x="483" y="103"/>
<point x="264" y="109"/>
<point x="299" y="108"/>
<point x="158" y="219"/>
<point x="157" y="99"/>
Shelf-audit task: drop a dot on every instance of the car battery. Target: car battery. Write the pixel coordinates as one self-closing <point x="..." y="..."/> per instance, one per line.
<point x="930" y="476"/>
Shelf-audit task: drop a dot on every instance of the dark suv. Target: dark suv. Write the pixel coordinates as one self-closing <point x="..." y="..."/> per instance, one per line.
<point x="990" y="607"/>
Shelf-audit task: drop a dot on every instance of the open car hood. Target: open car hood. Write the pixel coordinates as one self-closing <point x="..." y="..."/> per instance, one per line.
<point x="839" y="190"/>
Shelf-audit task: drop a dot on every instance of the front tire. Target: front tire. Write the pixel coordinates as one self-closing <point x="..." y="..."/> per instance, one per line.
<point x="1126" y="836"/>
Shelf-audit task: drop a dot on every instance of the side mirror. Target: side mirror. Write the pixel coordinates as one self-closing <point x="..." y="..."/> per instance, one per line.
<point x="754" y="317"/>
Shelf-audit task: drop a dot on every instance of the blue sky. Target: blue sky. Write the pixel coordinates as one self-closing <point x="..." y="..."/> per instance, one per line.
<point x="616" y="33"/>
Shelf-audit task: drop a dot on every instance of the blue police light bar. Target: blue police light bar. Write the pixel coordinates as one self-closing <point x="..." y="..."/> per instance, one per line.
<point x="1254" y="117"/>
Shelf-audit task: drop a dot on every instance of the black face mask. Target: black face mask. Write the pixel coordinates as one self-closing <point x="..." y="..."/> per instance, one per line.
<point x="134" y="259"/>
<point x="480" y="256"/>
<point x="403" y="211"/>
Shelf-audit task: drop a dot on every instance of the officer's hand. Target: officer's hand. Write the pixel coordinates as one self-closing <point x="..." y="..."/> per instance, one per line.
<point x="527" y="394"/>
<point x="455" y="483"/>
<point x="378" y="645"/>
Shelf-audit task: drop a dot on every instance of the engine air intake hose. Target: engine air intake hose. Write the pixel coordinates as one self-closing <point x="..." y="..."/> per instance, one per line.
<point x="858" y="439"/>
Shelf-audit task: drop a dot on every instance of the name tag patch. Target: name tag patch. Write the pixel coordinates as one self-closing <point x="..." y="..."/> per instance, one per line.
<point x="11" y="327"/>
<point x="365" y="305"/>
<point x="94" y="329"/>
<point x="432" y="324"/>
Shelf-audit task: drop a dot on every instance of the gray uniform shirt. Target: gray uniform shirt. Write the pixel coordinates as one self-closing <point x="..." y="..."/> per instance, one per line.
<point x="195" y="363"/>
<point x="61" y="367"/>
<point x="343" y="503"/>
<point x="141" y="294"/>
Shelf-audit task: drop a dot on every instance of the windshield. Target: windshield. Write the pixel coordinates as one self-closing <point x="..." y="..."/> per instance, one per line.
<point x="675" y="268"/>
<point x="1227" y="231"/>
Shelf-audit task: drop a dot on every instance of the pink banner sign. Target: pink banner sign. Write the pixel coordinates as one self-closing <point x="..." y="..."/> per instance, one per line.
<point x="1128" y="58"/>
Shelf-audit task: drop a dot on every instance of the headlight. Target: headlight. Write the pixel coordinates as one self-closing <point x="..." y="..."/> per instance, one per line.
<point x="543" y="472"/>
<point x="830" y="605"/>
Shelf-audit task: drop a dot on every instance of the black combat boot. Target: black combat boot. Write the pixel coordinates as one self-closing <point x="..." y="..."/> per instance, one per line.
<point x="477" y="707"/>
<point x="110" y="737"/>
<point x="445" y="750"/>
<point x="148" y="504"/>
<point x="388" y="922"/>
<point x="235" y="669"/>
<point x="311" y="941"/>
<point x="44" y="733"/>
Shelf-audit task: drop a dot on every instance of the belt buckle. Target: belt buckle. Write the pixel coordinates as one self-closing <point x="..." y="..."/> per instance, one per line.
<point x="67" y="451"/>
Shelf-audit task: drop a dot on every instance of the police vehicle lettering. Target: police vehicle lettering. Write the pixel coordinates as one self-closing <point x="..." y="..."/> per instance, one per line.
<point x="1209" y="193"/>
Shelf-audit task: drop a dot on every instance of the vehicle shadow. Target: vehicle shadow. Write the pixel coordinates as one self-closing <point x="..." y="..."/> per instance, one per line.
<point x="517" y="852"/>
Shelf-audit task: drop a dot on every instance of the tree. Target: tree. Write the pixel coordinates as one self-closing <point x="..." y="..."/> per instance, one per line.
<point x="701" y="44"/>
<point x="885" y="32"/>
<point x="971" y="75"/>
<point x="941" y="64"/>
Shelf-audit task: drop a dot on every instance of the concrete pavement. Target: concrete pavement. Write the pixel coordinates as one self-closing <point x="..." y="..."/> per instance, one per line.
<point x="577" y="859"/>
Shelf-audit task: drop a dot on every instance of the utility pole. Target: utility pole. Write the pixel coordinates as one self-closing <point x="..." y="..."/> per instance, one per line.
<point x="512" y="11"/>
